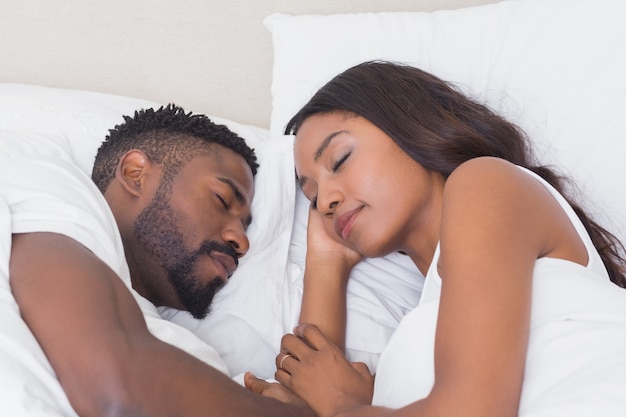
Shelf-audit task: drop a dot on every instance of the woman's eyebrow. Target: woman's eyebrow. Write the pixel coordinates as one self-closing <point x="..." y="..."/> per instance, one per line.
<point x="325" y="143"/>
<point x="319" y="152"/>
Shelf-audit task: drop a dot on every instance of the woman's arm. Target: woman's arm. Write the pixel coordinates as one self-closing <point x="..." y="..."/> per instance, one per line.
<point x="327" y="269"/>
<point x="491" y="235"/>
<point x="497" y="220"/>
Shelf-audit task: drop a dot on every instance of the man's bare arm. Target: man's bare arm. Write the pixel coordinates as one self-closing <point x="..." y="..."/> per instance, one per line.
<point x="95" y="337"/>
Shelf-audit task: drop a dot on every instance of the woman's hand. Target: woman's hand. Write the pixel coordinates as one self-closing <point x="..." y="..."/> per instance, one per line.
<point x="317" y="371"/>
<point x="326" y="247"/>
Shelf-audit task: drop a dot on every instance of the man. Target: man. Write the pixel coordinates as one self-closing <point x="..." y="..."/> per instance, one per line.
<point x="217" y="191"/>
<point x="170" y="219"/>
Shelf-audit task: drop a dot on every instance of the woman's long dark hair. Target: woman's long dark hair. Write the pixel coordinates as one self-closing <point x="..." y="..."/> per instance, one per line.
<point x="440" y="128"/>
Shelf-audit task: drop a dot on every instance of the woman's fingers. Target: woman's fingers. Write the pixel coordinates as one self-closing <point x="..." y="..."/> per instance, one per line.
<point x="284" y="361"/>
<point x="306" y="337"/>
<point x="311" y="335"/>
<point x="296" y="348"/>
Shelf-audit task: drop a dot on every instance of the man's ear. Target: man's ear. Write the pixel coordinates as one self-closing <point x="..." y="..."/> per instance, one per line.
<point x="131" y="171"/>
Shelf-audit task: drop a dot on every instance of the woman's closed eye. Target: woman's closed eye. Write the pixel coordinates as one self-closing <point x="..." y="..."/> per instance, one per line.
<point x="334" y="168"/>
<point x="340" y="162"/>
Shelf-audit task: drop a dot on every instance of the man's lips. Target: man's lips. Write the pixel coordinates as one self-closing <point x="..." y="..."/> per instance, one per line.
<point x="344" y="222"/>
<point x="227" y="263"/>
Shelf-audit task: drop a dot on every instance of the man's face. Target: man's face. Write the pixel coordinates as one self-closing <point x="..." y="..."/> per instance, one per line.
<point x="196" y="229"/>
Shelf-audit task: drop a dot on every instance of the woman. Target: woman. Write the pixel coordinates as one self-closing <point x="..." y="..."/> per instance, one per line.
<point x="518" y="280"/>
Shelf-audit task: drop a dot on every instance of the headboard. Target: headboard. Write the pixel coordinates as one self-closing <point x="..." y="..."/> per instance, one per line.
<point x="209" y="56"/>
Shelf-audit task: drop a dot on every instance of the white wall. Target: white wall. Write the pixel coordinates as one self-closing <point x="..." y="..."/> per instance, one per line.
<point x="209" y="56"/>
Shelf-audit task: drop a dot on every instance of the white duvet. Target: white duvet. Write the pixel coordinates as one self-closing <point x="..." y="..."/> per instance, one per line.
<point x="576" y="360"/>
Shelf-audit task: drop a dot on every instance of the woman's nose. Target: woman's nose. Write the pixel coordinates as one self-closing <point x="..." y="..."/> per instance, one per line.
<point x="328" y="199"/>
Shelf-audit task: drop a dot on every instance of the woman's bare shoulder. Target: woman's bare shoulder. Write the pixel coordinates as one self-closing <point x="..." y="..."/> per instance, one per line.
<point x="489" y="178"/>
<point x="494" y="195"/>
<point x="486" y="168"/>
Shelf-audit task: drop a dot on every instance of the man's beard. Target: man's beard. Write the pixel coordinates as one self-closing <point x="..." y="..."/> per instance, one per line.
<point x="157" y="232"/>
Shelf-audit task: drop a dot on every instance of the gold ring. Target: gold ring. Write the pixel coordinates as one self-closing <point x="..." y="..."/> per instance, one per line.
<point x="280" y="364"/>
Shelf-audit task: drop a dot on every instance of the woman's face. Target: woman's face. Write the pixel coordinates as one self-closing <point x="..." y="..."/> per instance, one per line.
<point x="369" y="192"/>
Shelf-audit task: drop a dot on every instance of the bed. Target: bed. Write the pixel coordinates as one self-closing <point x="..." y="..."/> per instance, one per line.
<point x="555" y="67"/>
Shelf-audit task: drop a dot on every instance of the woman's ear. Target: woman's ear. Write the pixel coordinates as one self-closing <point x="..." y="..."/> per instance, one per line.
<point x="131" y="171"/>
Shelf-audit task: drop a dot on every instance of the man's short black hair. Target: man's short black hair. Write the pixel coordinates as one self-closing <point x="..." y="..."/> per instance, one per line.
<point x="170" y="137"/>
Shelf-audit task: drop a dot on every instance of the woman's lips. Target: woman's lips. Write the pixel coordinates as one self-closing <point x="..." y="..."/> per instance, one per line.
<point x="344" y="223"/>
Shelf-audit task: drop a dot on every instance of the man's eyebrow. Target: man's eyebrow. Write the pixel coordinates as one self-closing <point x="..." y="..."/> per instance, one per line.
<point x="325" y="143"/>
<point x="238" y="196"/>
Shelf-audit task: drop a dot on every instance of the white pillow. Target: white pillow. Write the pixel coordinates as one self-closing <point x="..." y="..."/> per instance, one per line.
<point x="72" y="124"/>
<point x="554" y="67"/>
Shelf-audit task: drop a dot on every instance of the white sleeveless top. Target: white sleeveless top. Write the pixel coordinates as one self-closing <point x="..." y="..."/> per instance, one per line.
<point x="576" y="360"/>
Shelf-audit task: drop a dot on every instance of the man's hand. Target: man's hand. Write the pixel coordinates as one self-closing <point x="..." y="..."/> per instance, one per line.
<point x="271" y="389"/>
